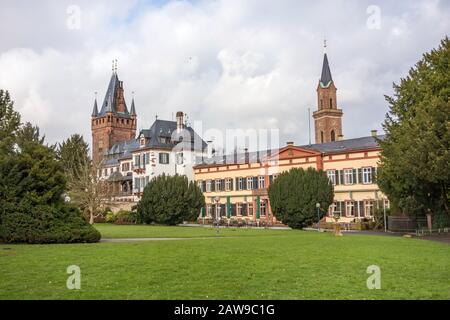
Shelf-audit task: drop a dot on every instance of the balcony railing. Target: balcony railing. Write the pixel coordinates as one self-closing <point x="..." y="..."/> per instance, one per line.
<point x="139" y="169"/>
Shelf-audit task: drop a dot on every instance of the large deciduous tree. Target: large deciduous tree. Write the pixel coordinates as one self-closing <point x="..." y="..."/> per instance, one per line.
<point x="415" y="157"/>
<point x="294" y="194"/>
<point x="86" y="188"/>
<point x="170" y="200"/>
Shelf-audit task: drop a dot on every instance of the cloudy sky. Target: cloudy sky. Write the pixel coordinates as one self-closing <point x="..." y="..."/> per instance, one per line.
<point x="230" y="63"/>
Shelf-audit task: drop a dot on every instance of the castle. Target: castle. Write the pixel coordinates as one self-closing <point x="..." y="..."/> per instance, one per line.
<point x="235" y="187"/>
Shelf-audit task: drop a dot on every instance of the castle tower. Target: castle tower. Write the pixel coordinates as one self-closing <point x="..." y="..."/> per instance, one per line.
<point x="113" y="123"/>
<point x="327" y="118"/>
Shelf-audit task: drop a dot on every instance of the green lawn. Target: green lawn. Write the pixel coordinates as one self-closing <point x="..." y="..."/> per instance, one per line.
<point x="245" y="264"/>
<point x="142" y="231"/>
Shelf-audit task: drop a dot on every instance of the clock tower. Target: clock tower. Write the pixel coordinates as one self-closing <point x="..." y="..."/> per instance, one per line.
<point x="327" y="118"/>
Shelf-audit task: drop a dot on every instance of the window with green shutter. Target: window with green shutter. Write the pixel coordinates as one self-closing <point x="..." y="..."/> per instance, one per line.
<point x="223" y="211"/>
<point x="341" y="176"/>
<point x="244" y="209"/>
<point x="336" y="177"/>
<point x="233" y="210"/>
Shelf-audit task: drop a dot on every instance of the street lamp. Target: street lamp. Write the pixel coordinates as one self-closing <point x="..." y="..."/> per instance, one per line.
<point x="318" y="216"/>
<point x="217" y="199"/>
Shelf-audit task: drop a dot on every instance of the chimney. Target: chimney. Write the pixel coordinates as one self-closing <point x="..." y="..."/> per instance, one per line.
<point x="210" y="147"/>
<point x="180" y="123"/>
<point x="235" y="156"/>
<point x="290" y="143"/>
<point x="340" y="137"/>
<point x="247" y="156"/>
<point x="373" y="133"/>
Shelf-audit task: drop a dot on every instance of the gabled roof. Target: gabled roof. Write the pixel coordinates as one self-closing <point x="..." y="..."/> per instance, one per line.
<point x="109" y="103"/>
<point x="325" y="79"/>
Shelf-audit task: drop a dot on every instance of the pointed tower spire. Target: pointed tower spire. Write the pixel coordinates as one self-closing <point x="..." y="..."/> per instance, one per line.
<point x="133" y="108"/>
<point x="328" y="117"/>
<point x="325" y="79"/>
<point x="95" y="109"/>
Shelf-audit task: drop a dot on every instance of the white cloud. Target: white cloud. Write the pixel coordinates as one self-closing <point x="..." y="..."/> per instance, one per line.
<point x="232" y="64"/>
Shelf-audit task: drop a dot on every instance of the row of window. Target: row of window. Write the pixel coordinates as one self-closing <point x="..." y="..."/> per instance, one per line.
<point x="107" y="171"/>
<point x="141" y="160"/>
<point x="111" y="119"/>
<point x="364" y="175"/>
<point x="241" y="183"/>
<point x="357" y="209"/>
<point x="236" y="209"/>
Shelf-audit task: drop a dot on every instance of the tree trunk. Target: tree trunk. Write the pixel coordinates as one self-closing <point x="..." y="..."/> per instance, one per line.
<point x="91" y="216"/>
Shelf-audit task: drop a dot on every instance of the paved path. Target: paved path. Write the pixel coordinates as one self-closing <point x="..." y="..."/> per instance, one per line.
<point x="155" y="239"/>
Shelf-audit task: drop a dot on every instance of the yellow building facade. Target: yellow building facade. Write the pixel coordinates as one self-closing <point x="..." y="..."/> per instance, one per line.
<point x="237" y="189"/>
<point x="235" y="186"/>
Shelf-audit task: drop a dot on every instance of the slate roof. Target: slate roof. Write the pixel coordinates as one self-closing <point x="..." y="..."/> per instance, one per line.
<point x="346" y="145"/>
<point x="95" y="109"/>
<point x="362" y="143"/>
<point x="133" y="108"/>
<point x="168" y="129"/>
<point x="161" y="135"/>
<point x="325" y="78"/>
<point x="109" y="103"/>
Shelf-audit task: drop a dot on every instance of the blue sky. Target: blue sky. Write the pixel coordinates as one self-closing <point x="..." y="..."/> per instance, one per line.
<point x="232" y="64"/>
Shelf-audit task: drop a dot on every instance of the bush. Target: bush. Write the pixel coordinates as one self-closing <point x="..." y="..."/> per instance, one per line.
<point x="294" y="194"/>
<point x="125" y="217"/>
<point x="109" y="217"/>
<point x="45" y="224"/>
<point x="170" y="200"/>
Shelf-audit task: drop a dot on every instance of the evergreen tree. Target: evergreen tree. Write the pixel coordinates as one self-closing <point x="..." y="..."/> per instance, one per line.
<point x="415" y="157"/>
<point x="73" y="154"/>
<point x="9" y="123"/>
<point x="294" y="194"/>
<point x="170" y="200"/>
<point x="33" y="183"/>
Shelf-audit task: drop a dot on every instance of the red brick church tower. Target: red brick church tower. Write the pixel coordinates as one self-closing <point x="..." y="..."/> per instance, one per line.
<point x="114" y="123"/>
<point x="327" y="118"/>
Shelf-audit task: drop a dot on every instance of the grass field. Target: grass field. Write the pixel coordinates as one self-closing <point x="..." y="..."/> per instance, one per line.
<point x="142" y="231"/>
<point x="240" y="264"/>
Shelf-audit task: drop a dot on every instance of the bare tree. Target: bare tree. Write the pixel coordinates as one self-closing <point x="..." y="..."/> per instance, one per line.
<point x="88" y="190"/>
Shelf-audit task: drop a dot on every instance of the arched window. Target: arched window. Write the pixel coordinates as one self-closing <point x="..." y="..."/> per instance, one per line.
<point x="321" y="103"/>
<point x="333" y="136"/>
<point x="321" y="136"/>
<point x="331" y="103"/>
